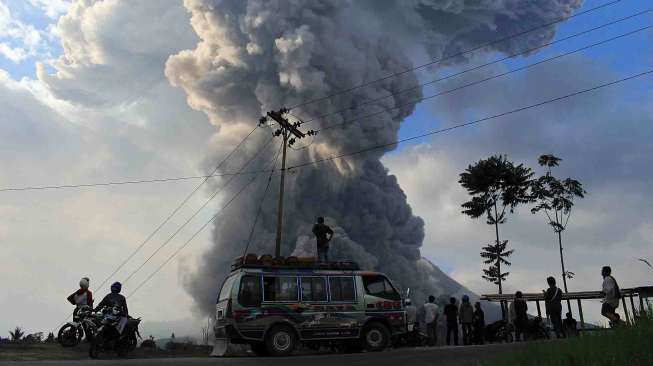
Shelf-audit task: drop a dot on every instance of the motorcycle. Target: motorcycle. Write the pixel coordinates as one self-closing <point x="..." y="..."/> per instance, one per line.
<point x="413" y="338"/>
<point x="116" y="333"/>
<point x="84" y="323"/>
<point x="499" y="331"/>
<point x="535" y="329"/>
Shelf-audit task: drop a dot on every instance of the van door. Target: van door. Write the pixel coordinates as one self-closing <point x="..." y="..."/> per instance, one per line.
<point x="383" y="300"/>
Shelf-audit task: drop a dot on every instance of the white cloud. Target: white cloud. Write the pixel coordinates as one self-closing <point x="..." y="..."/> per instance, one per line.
<point x="19" y="40"/>
<point x="52" y="8"/>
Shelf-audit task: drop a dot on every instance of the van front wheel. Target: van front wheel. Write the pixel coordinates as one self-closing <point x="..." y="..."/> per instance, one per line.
<point x="375" y="337"/>
<point x="281" y="340"/>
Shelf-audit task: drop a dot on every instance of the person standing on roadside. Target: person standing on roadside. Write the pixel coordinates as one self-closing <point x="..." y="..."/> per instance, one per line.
<point x="553" y="301"/>
<point x="323" y="235"/>
<point x="479" y="324"/>
<point x="451" y="313"/>
<point x="520" y="320"/>
<point x="431" y="320"/>
<point x="611" y="295"/>
<point x="466" y="313"/>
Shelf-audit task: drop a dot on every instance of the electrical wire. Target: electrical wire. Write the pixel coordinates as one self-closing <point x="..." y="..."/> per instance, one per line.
<point x="215" y="193"/>
<point x="444" y="58"/>
<point x="260" y="206"/>
<point x="449" y="91"/>
<point x="198" y="231"/>
<point x="513" y="55"/>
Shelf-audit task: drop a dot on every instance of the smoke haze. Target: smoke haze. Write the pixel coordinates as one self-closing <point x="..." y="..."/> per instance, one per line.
<point x="258" y="55"/>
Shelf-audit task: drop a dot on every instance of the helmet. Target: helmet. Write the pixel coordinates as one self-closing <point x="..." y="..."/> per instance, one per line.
<point x="83" y="283"/>
<point x="116" y="287"/>
<point x="465" y="298"/>
<point x="408" y="302"/>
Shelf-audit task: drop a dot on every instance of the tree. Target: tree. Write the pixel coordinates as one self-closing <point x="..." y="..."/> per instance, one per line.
<point x="17" y="334"/>
<point x="556" y="198"/>
<point x="493" y="254"/>
<point x="497" y="186"/>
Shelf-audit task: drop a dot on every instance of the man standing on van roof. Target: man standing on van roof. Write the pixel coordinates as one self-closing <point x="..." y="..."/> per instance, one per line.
<point x="323" y="235"/>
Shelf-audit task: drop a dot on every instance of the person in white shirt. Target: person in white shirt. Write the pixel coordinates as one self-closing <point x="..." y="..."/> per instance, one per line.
<point x="431" y="320"/>
<point x="610" y="296"/>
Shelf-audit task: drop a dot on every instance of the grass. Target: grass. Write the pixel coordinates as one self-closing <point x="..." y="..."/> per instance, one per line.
<point x="622" y="346"/>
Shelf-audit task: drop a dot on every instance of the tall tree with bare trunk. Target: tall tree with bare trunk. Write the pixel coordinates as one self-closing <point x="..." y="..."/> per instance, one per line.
<point x="497" y="186"/>
<point x="555" y="198"/>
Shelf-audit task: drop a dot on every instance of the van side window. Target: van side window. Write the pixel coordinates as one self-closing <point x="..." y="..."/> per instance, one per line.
<point x="280" y="289"/>
<point x="379" y="286"/>
<point x="250" y="291"/>
<point x="342" y="289"/>
<point x="314" y="289"/>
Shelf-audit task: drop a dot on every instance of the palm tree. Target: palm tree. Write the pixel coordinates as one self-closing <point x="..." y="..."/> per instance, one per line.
<point x="497" y="186"/>
<point x="556" y="198"/>
<point x="17" y="334"/>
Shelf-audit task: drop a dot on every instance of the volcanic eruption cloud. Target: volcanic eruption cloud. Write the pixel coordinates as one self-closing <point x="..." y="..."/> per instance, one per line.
<point x="259" y="55"/>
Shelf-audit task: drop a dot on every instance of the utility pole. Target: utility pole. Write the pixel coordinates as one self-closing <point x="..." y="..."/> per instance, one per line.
<point x="290" y="133"/>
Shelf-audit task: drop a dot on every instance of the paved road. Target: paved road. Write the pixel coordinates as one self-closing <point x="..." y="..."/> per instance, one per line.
<point x="440" y="356"/>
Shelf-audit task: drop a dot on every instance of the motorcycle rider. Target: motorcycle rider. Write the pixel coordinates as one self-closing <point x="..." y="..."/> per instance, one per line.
<point x="114" y="299"/>
<point x="83" y="296"/>
<point x="118" y="301"/>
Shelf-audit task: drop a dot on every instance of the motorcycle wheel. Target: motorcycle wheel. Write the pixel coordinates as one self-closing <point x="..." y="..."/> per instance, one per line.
<point x="69" y="336"/>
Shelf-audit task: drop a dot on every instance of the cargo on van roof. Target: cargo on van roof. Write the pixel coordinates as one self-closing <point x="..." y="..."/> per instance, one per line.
<point x="267" y="261"/>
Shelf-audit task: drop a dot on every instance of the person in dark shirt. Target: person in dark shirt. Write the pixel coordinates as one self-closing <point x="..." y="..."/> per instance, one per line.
<point x="451" y="313"/>
<point x="114" y="299"/>
<point x="521" y="315"/>
<point x="479" y="323"/>
<point x="570" y="326"/>
<point x="553" y="301"/>
<point x="323" y="235"/>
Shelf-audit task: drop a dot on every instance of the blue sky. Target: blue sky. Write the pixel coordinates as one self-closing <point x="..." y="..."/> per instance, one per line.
<point x="624" y="56"/>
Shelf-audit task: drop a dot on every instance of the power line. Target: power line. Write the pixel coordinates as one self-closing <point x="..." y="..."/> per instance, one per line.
<point x="449" y="91"/>
<point x="434" y="132"/>
<point x="199" y="230"/>
<point x="174" y="212"/>
<point x="513" y="55"/>
<point x="444" y="58"/>
<point x="122" y="264"/>
<point x="367" y="102"/>
<point x="260" y="205"/>
<point x="215" y="193"/>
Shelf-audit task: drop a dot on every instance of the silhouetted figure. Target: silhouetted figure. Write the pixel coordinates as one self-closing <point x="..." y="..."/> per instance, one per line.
<point x="520" y="316"/>
<point x="553" y="301"/>
<point x="431" y="320"/>
<point x="323" y="235"/>
<point x="83" y="296"/>
<point x="466" y="315"/>
<point x="479" y="324"/>
<point x="569" y="325"/>
<point x="114" y="299"/>
<point x="451" y="313"/>
<point x="611" y="295"/>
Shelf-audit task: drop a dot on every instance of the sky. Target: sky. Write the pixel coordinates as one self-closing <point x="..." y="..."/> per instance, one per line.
<point x="85" y="99"/>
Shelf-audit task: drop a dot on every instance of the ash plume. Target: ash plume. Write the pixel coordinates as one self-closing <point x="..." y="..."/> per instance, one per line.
<point x="258" y="55"/>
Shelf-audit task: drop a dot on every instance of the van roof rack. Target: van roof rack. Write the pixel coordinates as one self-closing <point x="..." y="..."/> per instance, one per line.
<point x="292" y="262"/>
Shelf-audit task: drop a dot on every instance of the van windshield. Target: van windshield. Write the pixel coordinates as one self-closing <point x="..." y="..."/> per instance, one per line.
<point x="379" y="286"/>
<point x="225" y="293"/>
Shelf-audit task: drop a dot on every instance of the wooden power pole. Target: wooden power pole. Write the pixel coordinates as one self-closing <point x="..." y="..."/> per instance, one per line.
<point x="290" y="133"/>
